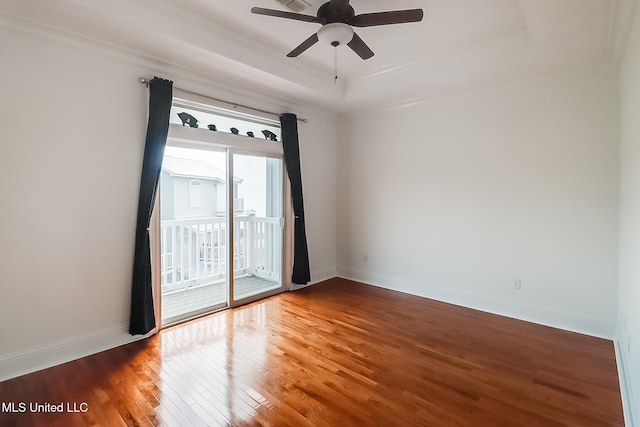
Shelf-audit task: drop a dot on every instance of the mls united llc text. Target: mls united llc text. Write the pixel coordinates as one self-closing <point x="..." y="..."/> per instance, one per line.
<point x="32" y="407"/>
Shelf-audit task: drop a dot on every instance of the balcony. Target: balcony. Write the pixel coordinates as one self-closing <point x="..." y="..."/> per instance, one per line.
<point x="194" y="261"/>
<point x="238" y="207"/>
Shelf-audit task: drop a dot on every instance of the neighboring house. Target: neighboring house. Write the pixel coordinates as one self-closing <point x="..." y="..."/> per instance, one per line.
<point x="194" y="189"/>
<point x="194" y="251"/>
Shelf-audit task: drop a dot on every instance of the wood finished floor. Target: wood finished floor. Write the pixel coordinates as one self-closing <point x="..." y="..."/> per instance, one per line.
<point x="338" y="353"/>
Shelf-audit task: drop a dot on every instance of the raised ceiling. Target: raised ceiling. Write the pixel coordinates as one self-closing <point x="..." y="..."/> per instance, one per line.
<point x="460" y="44"/>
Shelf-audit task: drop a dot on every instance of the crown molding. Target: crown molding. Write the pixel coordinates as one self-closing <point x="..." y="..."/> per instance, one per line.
<point x="195" y="44"/>
<point x="161" y="31"/>
<point x="371" y="110"/>
<point x="206" y="82"/>
<point x="488" y="39"/>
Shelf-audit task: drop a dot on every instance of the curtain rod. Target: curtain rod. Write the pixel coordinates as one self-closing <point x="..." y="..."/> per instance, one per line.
<point x="145" y="81"/>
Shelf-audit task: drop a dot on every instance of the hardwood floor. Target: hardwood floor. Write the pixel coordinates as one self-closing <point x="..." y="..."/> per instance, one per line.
<point x="337" y="353"/>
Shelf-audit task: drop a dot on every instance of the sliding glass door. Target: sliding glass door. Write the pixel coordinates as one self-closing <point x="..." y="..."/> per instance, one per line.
<point x="216" y="206"/>
<point x="257" y="227"/>
<point x="193" y="232"/>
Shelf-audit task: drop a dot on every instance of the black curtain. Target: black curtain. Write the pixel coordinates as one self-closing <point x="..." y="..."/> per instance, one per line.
<point x="290" y="145"/>
<point x="142" y="318"/>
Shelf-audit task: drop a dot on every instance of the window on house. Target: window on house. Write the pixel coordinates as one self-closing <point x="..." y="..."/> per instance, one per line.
<point x="195" y="194"/>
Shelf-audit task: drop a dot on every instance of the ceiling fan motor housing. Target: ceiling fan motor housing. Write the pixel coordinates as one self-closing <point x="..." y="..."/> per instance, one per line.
<point x="329" y="15"/>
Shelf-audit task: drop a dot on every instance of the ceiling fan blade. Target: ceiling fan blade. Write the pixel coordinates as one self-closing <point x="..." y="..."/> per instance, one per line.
<point x="304" y="46"/>
<point x="387" y="18"/>
<point x="360" y="47"/>
<point x="283" y="14"/>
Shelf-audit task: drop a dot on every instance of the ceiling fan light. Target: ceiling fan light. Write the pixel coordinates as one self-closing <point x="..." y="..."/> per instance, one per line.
<point x="335" y="33"/>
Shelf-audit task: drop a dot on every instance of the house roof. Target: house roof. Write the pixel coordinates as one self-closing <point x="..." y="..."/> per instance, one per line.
<point x="190" y="168"/>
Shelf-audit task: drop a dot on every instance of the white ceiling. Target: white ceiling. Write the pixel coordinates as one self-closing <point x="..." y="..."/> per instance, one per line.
<point x="460" y="44"/>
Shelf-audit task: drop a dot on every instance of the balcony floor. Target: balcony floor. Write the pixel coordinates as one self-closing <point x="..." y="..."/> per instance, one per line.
<point x="176" y="305"/>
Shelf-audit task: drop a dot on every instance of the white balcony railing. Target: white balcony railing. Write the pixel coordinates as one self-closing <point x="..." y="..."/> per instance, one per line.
<point x="194" y="251"/>
<point x="238" y="206"/>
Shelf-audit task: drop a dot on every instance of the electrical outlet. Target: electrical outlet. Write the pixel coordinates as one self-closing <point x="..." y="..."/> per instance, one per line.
<point x="517" y="285"/>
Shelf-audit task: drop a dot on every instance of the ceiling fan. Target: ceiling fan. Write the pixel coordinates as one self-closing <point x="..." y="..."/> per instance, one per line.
<point x="337" y="18"/>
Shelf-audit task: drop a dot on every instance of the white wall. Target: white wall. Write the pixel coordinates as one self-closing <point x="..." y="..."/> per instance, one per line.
<point x="456" y="198"/>
<point x="628" y="332"/>
<point x="318" y="162"/>
<point x="72" y="127"/>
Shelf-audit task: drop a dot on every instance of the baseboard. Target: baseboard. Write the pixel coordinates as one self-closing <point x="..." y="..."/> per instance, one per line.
<point x="540" y="315"/>
<point x="14" y="365"/>
<point x="626" y="392"/>
<point x="321" y="275"/>
<point x="35" y="359"/>
<point x="318" y="276"/>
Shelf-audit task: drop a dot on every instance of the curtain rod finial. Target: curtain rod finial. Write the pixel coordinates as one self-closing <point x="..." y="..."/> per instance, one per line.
<point x="144" y="80"/>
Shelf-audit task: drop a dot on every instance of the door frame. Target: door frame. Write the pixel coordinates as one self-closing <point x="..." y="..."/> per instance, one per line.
<point x="202" y="139"/>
